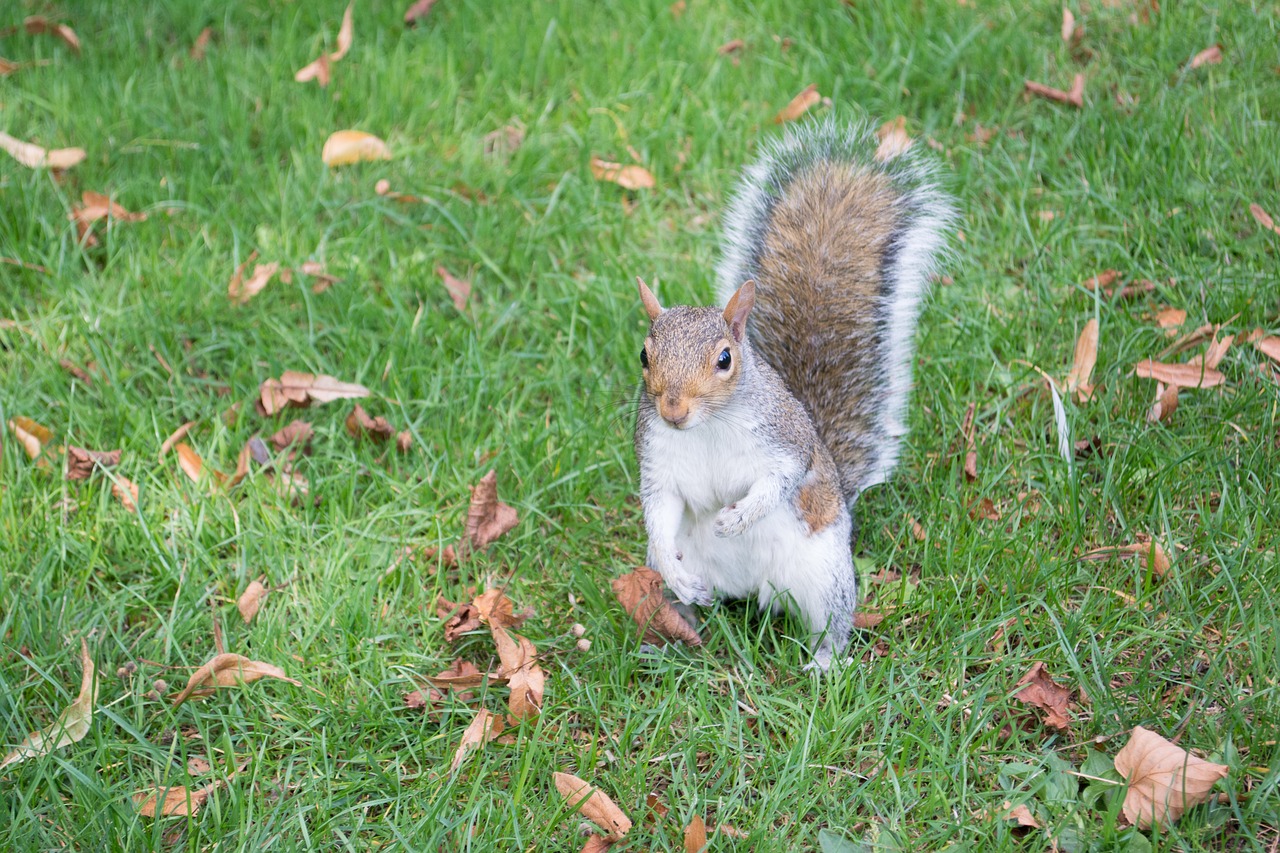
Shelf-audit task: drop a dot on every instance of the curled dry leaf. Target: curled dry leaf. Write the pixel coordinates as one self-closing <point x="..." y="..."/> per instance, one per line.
<point x="487" y="517"/>
<point x="695" y="835"/>
<point x="295" y="433"/>
<point x="81" y="463"/>
<point x="594" y="804"/>
<point x="1182" y="375"/>
<point x="1073" y="98"/>
<point x="519" y="667"/>
<point x="319" y="69"/>
<point x="416" y="11"/>
<point x="404" y="441"/>
<point x="37" y="25"/>
<point x="628" y="177"/>
<point x="1165" y="405"/>
<point x="1041" y="691"/>
<point x="484" y="727"/>
<point x="1264" y="218"/>
<point x="353" y="146"/>
<point x="1269" y="346"/>
<point x="504" y="141"/>
<point x="179" y="801"/>
<point x="1019" y="813"/>
<point x="1082" y="364"/>
<point x="72" y="724"/>
<point x="250" y="600"/>
<point x="640" y="594"/>
<point x="31" y="435"/>
<point x="1169" y="317"/>
<point x="1068" y="24"/>
<point x="241" y="290"/>
<point x="1211" y="55"/>
<point x="235" y="287"/>
<point x="731" y="47"/>
<point x="301" y="389"/>
<point x="227" y="670"/>
<point x="1213" y="355"/>
<point x="459" y="289"/>
<point x="494" y="608"/>
<point x="360" y="425"/>
<point x="894" y="139"/>
<point x="1157" y="559"/>
<point x="190" y="462"/>
<point x="34" y="157"/>
<point x="177" y="435"/>
<point x="125" y="491"/>
<point x="799" y="105"/>
<point x="459" y="618"/>
<point x="1164" y="779"/>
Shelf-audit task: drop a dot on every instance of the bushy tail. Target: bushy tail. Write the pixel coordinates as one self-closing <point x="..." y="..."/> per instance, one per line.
<point x="841" y="248"/>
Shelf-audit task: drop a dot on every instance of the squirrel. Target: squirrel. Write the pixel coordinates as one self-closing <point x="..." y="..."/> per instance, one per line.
<point x="759" y="424"/>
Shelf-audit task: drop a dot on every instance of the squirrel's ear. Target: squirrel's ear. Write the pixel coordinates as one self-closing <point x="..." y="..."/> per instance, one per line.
<point x="651" y="305"/>
<point x="735" y="313"/>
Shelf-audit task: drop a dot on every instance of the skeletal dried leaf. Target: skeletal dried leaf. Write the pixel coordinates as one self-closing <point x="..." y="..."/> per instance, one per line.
<point x="593" y="804"/>
<point x="250" y="600"/>
<point x="894" y="139"/>
<point x="82" y="463"/>
<point x="459" y="289"/>
<point x="1182" y="375"/>
<point x="353" y="146"/>
<point x="1164" y="779"/>
<point x="640" y="594"/>
<point x="799" y="105"/>
<point x="37" y="25"/>
<point x="1211" y="55"/>
<point x="72" y="724"/>
<point x="300" y="389"/>
<point x="227" y="670"/>
<point x="487" y="517"/>
<point x="628" y="177"/>
<point x="485" y="726"/>
<point x="34" y="157"/>
<point x="1041" y="691"/>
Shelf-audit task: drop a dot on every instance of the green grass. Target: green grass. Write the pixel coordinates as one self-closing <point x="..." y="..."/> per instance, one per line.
<point x="914" y="743"/>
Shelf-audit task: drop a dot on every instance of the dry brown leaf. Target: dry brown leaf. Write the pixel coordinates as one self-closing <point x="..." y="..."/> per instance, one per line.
<point x="416" y="11"/>
<point x="640" y="594"/>
<point x="242" y="290"/>
<point x="178" y="434"/>
<point x="353" y="146"/>
<point x="525" y="678"/>
<point x="190" y="462"/>
<point x="598" y="843"/>
<point x="695" y="835"/>
<point x="865" y="620"/>
<point x="81" y="463"/>
<point x="76" y="370"/>
<point x="894" y="139"/>
<point x="1264" y="218"/>
<point x="1082" y="364"/>
<point x="72" y="724"/>
<point x="295" y="433"/>
<point x="300" y="389"/>
<point x="461" y="673"/>
<point x="484" y="727"/>
<point x="95" y="206"/>
<point x="1211" y="55"/>
<point x="34" y="157"/>
<point x="360" y="425"/>
<point x="179" y="801"/>
<point x="459" y="618"/>
<point x="628" y="177"/>
<point x="227" y="670"/>
<point x="970" y="444"/>
<point x="1157" y="559"/>
<point x="984" y="509"/>
<point x="1182" y="375"/>
<point x="799" y="105"/>
<point x="678" y="8"/>
<point x="250" y="600"/>
<point x="1102" y="281"/>
<point x="494" y="608"/>
<point x="317" y="69"/>
<point x="504" y="141"/>
<point x="1169" y="317"/>
<point x="125" y="491"/>
<point x="1213" y="355"/>
<point x="459" y="289"/>
<point x="404" y="441"/>
<point x="1041" y="691"/>
<point x="1074" y="98"/>
<point x="731" y="47"/>
<point x="917" y="530"/>
<point x="1164" y="779"/>
<point x="487" y="517"/>
<point x="1269" y="346"/>
<point x="200" y="45"/>
<point x="31" y="435"/>
<point x="1019" y="813"/>
<point x="321" y="68"/>
<point x="7" y="67"/>
<point x="345" y="34"/>
<point x="1068" y="24"/>
<point x="1165" y="405"/>
<point x="37" y="25"/>
<point x="594" y="804"/>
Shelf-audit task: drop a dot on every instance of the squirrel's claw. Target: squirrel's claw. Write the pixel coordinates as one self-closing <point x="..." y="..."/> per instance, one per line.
<point x="731" y="521"/>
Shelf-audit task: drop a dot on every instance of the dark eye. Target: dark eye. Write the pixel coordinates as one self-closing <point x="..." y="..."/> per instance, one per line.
<point x="644" y="358"/>
<point x="723" y="362"/>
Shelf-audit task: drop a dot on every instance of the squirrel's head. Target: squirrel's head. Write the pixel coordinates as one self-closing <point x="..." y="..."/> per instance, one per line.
<point x="693" y="357"/>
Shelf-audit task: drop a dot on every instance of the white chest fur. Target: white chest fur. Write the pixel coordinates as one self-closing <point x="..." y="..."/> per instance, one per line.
<point x="709" y="466"/>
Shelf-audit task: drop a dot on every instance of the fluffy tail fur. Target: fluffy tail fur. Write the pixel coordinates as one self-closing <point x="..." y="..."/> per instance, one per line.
<point x="841" y="248"/>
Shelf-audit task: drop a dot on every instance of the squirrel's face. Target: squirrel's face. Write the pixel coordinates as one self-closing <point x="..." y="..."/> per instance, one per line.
<point x="692" y="358"/>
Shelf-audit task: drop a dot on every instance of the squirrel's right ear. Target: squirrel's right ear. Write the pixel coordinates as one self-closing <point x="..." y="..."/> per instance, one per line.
<point x="651" y="305"/>
<point x="740" y="304"/>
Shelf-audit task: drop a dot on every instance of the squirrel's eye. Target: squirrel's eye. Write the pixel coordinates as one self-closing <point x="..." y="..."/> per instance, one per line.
<point x="723" y="362"/>
<point x="644" y="358"/>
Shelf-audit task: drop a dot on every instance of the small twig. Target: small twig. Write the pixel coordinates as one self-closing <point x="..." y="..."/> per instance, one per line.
<point x="1073" y="98"/>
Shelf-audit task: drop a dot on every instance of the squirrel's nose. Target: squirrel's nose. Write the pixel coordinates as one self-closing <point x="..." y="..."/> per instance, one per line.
<point x="674" y="412"/>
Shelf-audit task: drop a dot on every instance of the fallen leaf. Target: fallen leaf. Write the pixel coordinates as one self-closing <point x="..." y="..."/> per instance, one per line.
<point x="319" y="69"/>
<point x="416" y="11"/>
<point x="295" y="433"/>
<point x="95" y="206"/>
<point x="301" y="389"/>
<point x="250" y="600"/>
<point x="865" y="620"/>
<point x="678" y="8"/>
<point x="1019" y="813"/>
<point x="125" y="491"/>
<point x="1068" y="24"/>
<point x="918" y="531"/>
<point x="695" y="835"/>
<point x="31" y="435"/>
<point x="1165" y="405"/>
<point x="1074" y="98"/>
<point x="504" y="141"/>
<point x="1269" y="346"/>
<point x="1164" y="779"/>
<point x="459" y="289"/>
<point x="81" y="463"/>
<point x="799" y="105"/>
<point x="640" y="594"/>
<point x="459" y="618"/>
<point x="1182" y="375"/>
<point x="404" y="441"/>
<point x="970" y="443"/>
<point x="598" y="843"/>
<point x="1102" y="281"/>
<point x="984" y="509"/>
<point x="72" y="724"/>
<point x="360" y="425"/>
<point x="1211" y="55"/>
<point x="1157" y="559"/>
<point x="1264" y="218"/>
<point x="189" y="461"/>
<point x="461" y="673"/>
<point x="731" y="47"/>
<point x="345" y="34"/>
<point x="200" y="45"/>
<point x="34" y="157"/>
<point x="227" y="670"/>
<point x="1170" y="318"/>
<point x="179" y="801"/>
<point x="76" y="370"/>
<point x="198" y="766"/>
<point x="1213" y="355"/>
<point x="1082" y="364"/>
<point x="37" y="25"/>
<point x="487" y="517"/>
<point x="494" y="608"/>
<point x="593" y="804"/>
<point x="353" y="146"/>
<point x="7" y="67"/>
<point x="178" y="434"/>
<point x="1041" y="691"/>
<point x="525" y="678"/>
<point x="627" y="177"/>
<point x="242" y="290"/>
<point x="484" y="727"/>
<point x="894" y="139"/>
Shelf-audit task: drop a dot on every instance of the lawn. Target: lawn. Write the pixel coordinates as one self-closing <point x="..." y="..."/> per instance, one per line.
<point x="924" y="743"/>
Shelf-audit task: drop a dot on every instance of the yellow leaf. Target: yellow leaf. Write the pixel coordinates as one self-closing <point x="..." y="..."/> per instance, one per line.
<point x="34" y="157"/>
<point x="72" y="724"/>
<point x="353" y="146"/>
<point x="627" y="177"/>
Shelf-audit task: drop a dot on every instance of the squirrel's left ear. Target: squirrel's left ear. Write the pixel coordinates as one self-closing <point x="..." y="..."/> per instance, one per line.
<point x="651" y="304"/>
<point x="740" y="304"/>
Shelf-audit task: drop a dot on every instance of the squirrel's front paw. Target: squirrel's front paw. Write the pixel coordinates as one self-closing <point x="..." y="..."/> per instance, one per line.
<point x="688" y="588"/>
<point x="731" y="521"/>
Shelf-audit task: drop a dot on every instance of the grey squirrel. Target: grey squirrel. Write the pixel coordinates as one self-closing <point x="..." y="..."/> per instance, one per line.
<point x="759" y="424"/>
